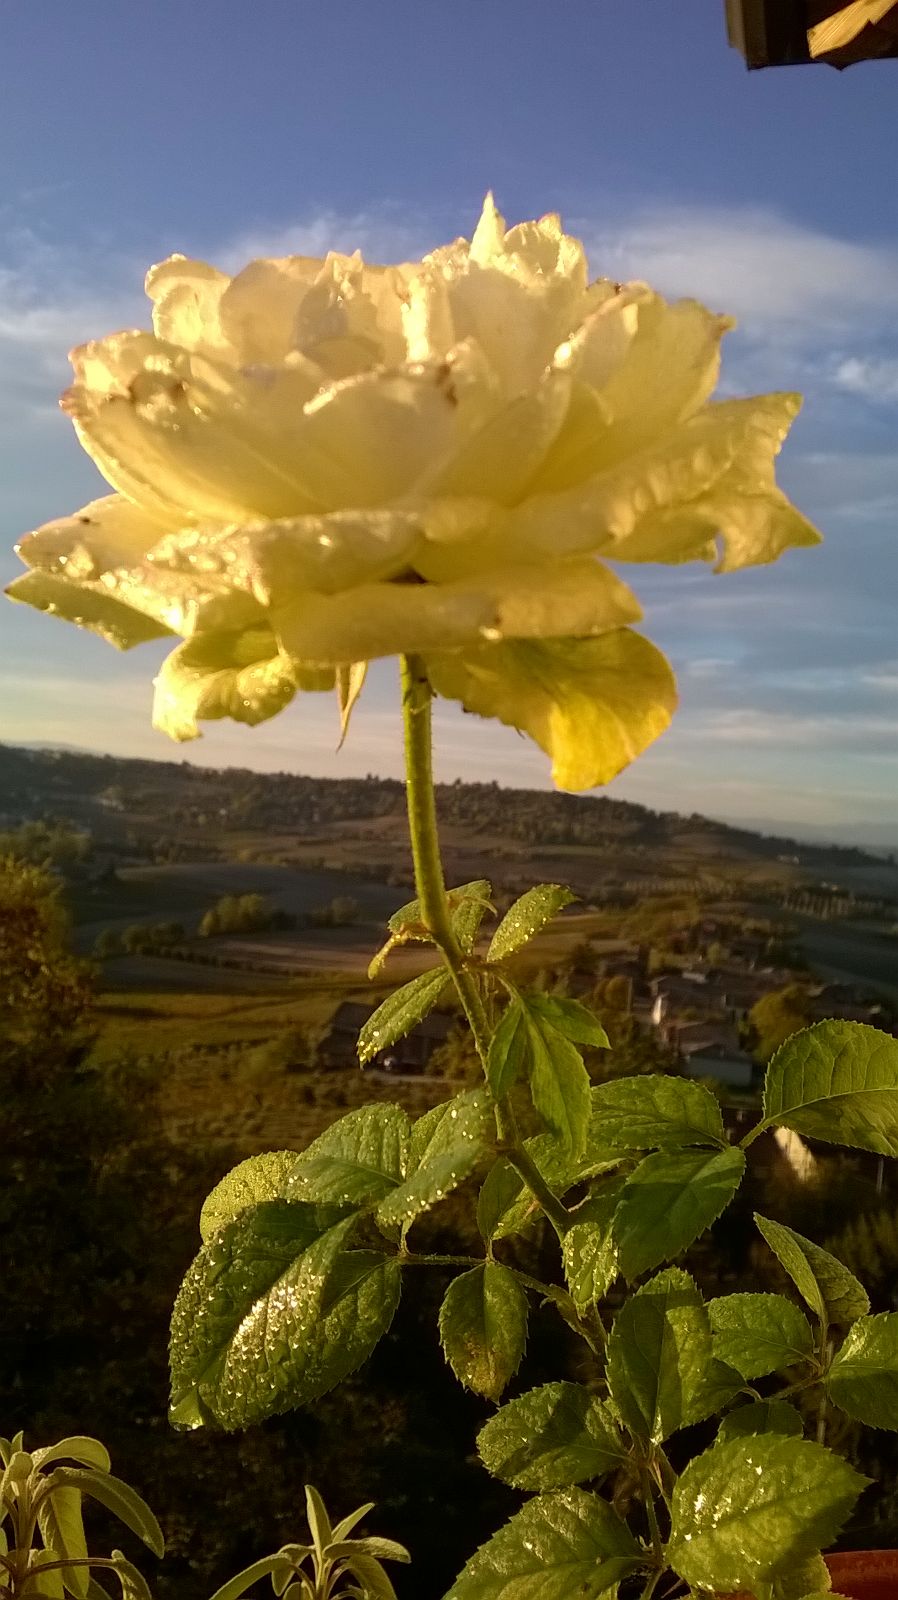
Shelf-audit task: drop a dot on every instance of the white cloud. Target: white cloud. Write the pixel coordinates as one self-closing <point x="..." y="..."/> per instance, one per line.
<point x="884" y="676"/>
<point x="747" y="725"/>
<point x="386" y="234"/>
<point x="871" y="378"/>
<point x="755" y="263"/>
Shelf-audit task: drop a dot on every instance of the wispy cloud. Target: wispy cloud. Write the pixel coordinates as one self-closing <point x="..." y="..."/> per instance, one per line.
<point x="765" y="268"/>
<point x="871" y="377"/>
<point x="877" y="735"/>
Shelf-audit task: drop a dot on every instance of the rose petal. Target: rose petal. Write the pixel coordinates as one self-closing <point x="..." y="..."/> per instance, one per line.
<point x="243" y="676"/>
<point x="88" y="606"/>
<point x="516" y="293"/>
<point x="275" y="560"/>
<point x="666" y="477"/>
<point x="372" y="620"/>
<point x="593" y="705"/>
<point x="186" y="298"/>
<point x="498" y="459"/>
<point x="369" y="440"/>
<point x="188" y="438"/>
<point x="105" y="533"/>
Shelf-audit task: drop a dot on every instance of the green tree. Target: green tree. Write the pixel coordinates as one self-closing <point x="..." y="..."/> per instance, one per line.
<point x="108" y="945"/>
<point x="45" y="993"/>
<point x="776" y="1016"/>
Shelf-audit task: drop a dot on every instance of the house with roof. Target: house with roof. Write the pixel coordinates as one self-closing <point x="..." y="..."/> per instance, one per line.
<point x="724" y="1062"/>
<point x="409" y="1055"/>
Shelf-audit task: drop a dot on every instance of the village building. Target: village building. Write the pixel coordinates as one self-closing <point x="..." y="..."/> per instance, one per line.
<point x="409" y="1055"/>
<point x="724" y="1063"/>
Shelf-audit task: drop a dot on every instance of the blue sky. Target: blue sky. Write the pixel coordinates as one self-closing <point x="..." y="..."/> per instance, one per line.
<point x="226" y="130"/>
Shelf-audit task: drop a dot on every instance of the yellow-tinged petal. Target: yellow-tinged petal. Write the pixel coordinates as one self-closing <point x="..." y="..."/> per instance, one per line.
<point x="497" y="459"/>
<point x="593" y="705"/>
<point x="106" y="533"/>
<point x="260" y="310"/>
<point x="756" y="528"/>
<point x="517" y="294"/>
<point x="186" y="437"/>
<point x="87" y="605"/>
<point x="243" y="676"/>
<point x="186" y="298"/>
<point x="369" y="440"/>
<point x="384" y="619"/>
<point x="667" y="476"/>
<point x="184" y="602"/>
<point x="274" y="560"/>
<point x="650" y="365"/>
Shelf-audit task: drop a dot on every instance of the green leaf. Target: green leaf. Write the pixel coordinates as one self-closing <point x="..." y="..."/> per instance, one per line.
<point x="525" y="918"/>
<point x="863" y="1378"/>
<point x="133" y="1584"/>
<point x="317" y="1517"/>
<point x="592" y="704"/>
<point x="759" y="1333"/>
<point x="654" y="1112"/>
<point x="272" y="1314"/>
<point x="483" y="1327"/>
<point x="569" y="1545"/>
<point x="373" y="1545"/>
<point x="400" y="1012"/>
<point x="659" y="1357"/>
<point x="468" y="905"/>
<point x="62" y="1530"/>
<point x="721" y="1385"/>
<point x="508" y="1051"/>
<point x="118" y="1497"/>
<point x="553" y="1436"/>
<point x="499" y="1194"/>
<point x="78" y="1447"/>
<point x="258" y="1178"/>
<point x="746" y="1510"/>
<point x="559" y="1082"/>
<point x="363" y="1156"/>
<point x="470" y="1114"/>
<point x="832" y="1292"/>
<point x="244" y="1580"/>
<point x="837" y="1081"/>
<point x="762" y="1416"/>
<point x="510" y="1205"/>
<point x="40" y="1583"/>
<point x="810" y="1576"/>
<point x="375" y="1582"/>
<point x="589" y="1250"/>
<point x="671" y="1198"/>
<point x="344" y="1528"/>
<point x="445" y="1146"/>
<point x="569" y="1018"/>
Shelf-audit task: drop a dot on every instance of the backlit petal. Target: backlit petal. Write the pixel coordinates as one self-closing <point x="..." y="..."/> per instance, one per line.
<point x="593" y="705"/>
<point x="243" y="676"/>
<point x="105" y="533"/>
<point x="87" y="605"/>
<point x="576" y="597"/>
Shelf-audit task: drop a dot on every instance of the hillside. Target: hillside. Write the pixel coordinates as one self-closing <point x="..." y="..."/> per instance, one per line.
<point x="214" y="813"/>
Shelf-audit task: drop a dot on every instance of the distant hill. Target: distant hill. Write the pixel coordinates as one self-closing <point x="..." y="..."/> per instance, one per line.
<point x="36" y="781"/>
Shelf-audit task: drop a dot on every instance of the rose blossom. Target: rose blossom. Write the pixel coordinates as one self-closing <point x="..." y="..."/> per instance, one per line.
<point x="320" y="462"/>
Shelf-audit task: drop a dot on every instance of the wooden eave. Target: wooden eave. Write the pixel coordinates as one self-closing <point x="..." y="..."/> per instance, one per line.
<point x="775" y="33"/>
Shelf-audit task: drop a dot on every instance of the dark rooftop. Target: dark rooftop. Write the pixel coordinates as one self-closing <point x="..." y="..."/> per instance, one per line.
<point x="786" y="33"/>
